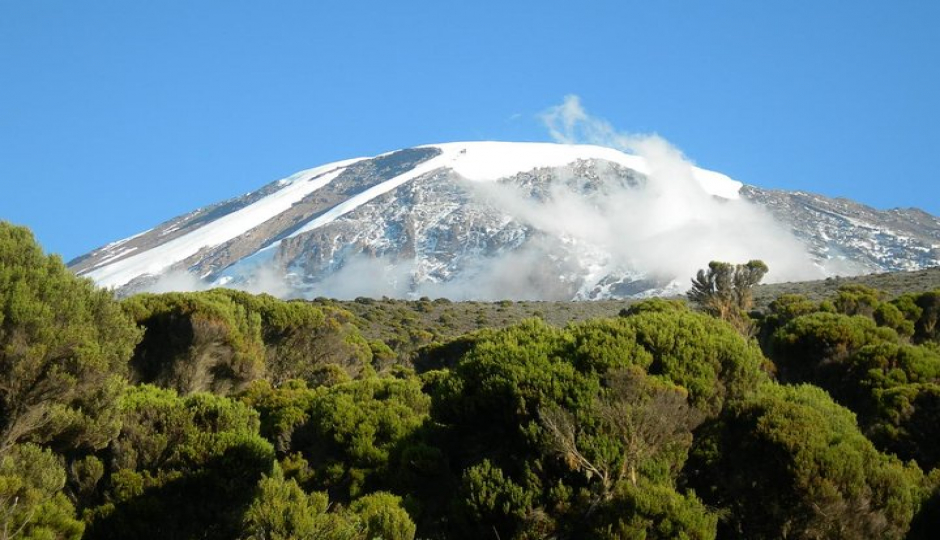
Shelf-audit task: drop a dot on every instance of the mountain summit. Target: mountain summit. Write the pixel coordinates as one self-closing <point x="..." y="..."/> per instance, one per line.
<point x="489" y="220"/>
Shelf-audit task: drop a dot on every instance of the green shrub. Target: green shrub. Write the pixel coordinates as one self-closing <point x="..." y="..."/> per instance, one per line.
<point x="789" y="462"/>
<point x="64" y="347"/>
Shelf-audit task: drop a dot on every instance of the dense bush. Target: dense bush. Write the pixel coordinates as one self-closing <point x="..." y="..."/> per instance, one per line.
<point x="63" y="346"/>
<point x="228" y="415"/>
<point x="32" y="503"/>
<point x="789" y="462"/>
<point x="180" y="467"/>
<point x="196" y="342"/>
<point x="283" y="511"/>
<point x="857" y="348"/>
<point x="221" y="340"/>
<point x="545" y="426"/>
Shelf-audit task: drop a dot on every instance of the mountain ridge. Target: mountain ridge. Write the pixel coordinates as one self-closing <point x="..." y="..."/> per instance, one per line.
<point x="455" y="218"/>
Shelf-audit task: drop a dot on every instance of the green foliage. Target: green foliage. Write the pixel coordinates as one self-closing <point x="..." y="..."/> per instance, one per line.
<point x="353" y="430"/>
<point x="171" y="467"/>
<point x="530" y="431"/>
<point x="301" y="339"/>
<point x="653" y="512"/>
<point x="655" y="305"/>
<point x="493" y="395"/>
<point x="634" y="419"/>
<point x="865" y="301"/>
<point x="924" y="525"/>
<point x="350" y="434"/>
<point x="220" y="340"/>
<point x="857" y="300"/>
<point x="537" y="418"/>
<point x="382" y="516"/>
<point x="196" y="342"/>
<point x="163" y="431"/>
<point x="789" y="462"/>
<point x="32" y="505"/>
<point x="493" y="502"/>
<point x="923" y="310"/>
<point x="602" y="345"/>
<point x="704" y="355"/>
<point x="869" y="369"/>
<point x="781" y="311"/>
<point x="61" y="342"/>
<point x="906" y="423"/>
<point x="282" y="409"/>
<point x="89" y="422"/>
<point x="282" y="511"/>
<point x="84" y="476"/>
<point x="805" y="343"/>
<point x="489" y="407"/>
<point x="790" y="306"/>
<point x="725" y="291"/>
<point x="889" y="316"/>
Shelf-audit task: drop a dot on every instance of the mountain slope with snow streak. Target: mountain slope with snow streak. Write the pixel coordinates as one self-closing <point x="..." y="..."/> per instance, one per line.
<point x="474" y="220"/>
<point x="157" y="259"/>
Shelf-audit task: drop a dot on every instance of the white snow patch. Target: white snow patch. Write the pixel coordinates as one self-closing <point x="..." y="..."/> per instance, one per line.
<point x="217" y="232"/>
<point x="367" y="195"/>
<point x="490" y="160"/>
<point x="113" y="256"/>
<point x="475" y="161"/>
<point x="123" y="241"/>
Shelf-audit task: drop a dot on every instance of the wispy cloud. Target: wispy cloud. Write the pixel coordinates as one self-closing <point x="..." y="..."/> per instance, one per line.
<point x="664" y="227"/>
<point x="671" y="226"/>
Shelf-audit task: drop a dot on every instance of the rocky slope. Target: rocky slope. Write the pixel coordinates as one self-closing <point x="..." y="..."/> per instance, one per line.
<point x="487" y="220"/>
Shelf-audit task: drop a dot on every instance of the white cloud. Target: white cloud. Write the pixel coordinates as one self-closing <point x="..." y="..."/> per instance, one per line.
<point x="176" y="281"/>
<point x="665" y="228"/>
<point x="670" y="226"/>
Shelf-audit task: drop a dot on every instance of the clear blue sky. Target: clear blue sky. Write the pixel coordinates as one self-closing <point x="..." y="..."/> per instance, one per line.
<point x="117" y="115"/>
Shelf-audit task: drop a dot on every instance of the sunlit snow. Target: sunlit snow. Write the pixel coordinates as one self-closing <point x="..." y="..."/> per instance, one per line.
<point x="217" y="232"/>
<point x="475" y="161"/>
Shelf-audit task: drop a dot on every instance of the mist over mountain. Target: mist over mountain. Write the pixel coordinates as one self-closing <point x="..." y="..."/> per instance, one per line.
<point x="493" y="220"/>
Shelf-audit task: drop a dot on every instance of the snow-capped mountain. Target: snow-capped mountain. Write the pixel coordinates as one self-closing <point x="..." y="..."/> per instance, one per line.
<point x="485" y="220"/>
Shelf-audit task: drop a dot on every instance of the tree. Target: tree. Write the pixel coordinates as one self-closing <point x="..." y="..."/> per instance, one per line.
<point x="821" y="340"/>
<point x="61" y="340"/>
<point x="181" y="467"/>
<point x="788" y="462"/>
<point x="544" y="426"/>
<point x="857" y="299"/>
<point x="32" y="505"/>
<point x="704" y="355"/>
<point x="866" y="366"/>
<point x="196" y="342"/>
<point x="653" y="512"/>
<point x="353" y="430"/>
<point x="220" y="340"/>
<point x="726" y="291"/>
<point x="493" y="503"/>
<point x="643" y="416"/>
<point x="302" y="340"/>
<point x="924" y="311"/>
<point x="907" y="423"/>
<point x="282" y="511"/>
<point x="383" y="517"/>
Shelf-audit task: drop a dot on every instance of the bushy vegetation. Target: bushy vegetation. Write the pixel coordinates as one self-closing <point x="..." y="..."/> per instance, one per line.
<point x="223" y="415"/>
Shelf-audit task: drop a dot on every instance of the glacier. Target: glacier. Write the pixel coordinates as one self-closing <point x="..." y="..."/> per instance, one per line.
<point x="578" y="222"/>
